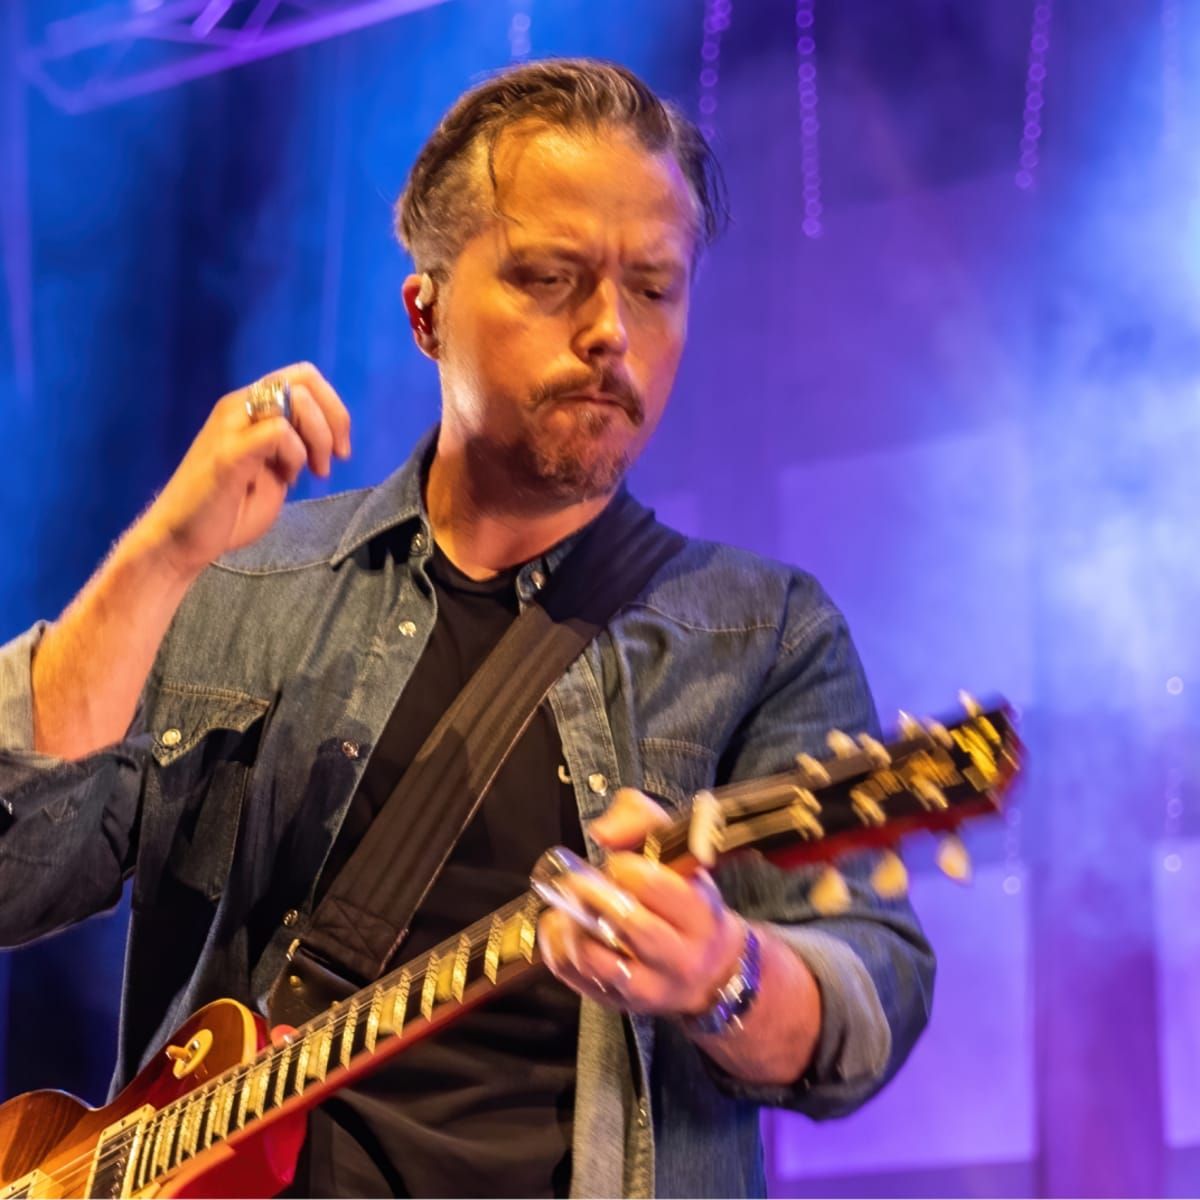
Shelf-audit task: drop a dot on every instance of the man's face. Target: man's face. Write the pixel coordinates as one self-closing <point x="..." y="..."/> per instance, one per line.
<point x="560" y="329"/>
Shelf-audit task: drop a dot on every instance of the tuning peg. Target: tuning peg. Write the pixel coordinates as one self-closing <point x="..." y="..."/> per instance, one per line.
<point x="930" y="795"/>
<point x="875" y="750"/>
<point x="953" y="859"/>
<point x="910" y="727"/>
<point x="830" y="895"/>
<point x="704" y="828"/>
<point x="816" y="773"/>
<point x="890" y="877"/>
<point x="939" y="733"/>
<point x="842" y="744"/>
<point x="969" y="703"/>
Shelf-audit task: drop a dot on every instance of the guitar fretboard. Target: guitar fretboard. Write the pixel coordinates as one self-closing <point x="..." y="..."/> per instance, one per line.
<point x="499" y="945"/>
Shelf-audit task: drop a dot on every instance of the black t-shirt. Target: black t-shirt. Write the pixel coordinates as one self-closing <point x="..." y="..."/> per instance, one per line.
<point x="484" y="1107"/>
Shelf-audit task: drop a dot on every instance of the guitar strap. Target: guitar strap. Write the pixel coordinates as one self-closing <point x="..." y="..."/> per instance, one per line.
<point x="365" y="913"/>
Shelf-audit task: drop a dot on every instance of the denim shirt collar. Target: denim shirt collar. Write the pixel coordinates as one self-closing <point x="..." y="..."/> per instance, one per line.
<point x="393" y="502"/>
<point x="400" y="498"/>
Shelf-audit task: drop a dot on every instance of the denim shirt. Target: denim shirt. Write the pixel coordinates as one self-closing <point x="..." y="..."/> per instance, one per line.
<point x="272" y="686"/>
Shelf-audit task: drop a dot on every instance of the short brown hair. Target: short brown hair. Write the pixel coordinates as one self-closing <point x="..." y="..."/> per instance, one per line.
<point x="439" y="209"/>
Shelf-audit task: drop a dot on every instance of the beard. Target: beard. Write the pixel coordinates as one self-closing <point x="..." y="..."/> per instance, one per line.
<point x="572" y="465"/>
<point x="571" y="451"/>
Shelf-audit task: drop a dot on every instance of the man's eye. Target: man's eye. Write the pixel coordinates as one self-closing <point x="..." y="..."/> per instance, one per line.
<point x="545" y="279"/>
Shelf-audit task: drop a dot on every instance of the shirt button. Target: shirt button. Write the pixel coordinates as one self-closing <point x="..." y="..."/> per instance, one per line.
<point x="350" y="749"/>
<point x="407" y="628"/>
<point x="420" y="543"/>
<point x="291" y="917"/>
<point x="598" y="783"/>
<point x="171" y="737"/>
<point x="538" y="579"/>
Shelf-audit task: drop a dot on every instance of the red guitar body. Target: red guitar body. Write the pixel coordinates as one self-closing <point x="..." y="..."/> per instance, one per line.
<point x="56" y="1135"/>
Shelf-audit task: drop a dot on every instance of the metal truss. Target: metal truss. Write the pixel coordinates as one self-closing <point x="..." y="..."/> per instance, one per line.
<point x="115" y="51"/>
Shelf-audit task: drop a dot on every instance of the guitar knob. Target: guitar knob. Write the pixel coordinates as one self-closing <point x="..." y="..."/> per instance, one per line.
<point x="830" y="895"/>
<point x="953" y="860"/>
<point x="890" y="877"/>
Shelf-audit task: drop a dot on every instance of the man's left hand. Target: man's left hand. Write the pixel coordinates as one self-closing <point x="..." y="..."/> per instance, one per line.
<point x="683" y="942"/>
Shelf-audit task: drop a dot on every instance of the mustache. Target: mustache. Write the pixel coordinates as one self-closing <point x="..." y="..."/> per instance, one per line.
<point x="607" y="381"/>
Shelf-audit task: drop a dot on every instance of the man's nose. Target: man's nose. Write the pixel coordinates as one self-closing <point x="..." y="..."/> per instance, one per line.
<point x="602" y="332"/>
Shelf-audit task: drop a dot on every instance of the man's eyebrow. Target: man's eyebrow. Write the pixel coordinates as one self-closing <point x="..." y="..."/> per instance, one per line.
<point x="666" y="265"/>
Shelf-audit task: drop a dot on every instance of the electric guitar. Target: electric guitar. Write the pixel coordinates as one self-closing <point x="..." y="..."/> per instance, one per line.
<point x="220" y="1111"/>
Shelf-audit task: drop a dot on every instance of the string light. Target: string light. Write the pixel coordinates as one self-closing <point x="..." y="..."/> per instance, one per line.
<point x="520" y="25"/>
<point x="1035" y="98"/>
<point x="717" y="15"/>
<point x="1172" y="69"/>
<point x="1173" y="818"/>
<point x="1011" y="884"/>
<point x="810" y="123"/>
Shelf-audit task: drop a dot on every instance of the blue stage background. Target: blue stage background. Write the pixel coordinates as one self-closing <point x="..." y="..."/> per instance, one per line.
<point x="947" y="358"/>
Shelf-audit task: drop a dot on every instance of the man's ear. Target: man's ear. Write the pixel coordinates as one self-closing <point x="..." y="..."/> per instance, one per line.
<point x="419" y="294"/>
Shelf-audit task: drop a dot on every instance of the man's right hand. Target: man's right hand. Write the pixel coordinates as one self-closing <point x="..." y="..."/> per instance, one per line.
<point x="92" y="663"/>
<point x="232" y="482"/>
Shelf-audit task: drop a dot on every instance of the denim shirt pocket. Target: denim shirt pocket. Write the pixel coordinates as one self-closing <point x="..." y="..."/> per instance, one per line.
<point x="205" y="742"/>
<point x="673" y="771"/>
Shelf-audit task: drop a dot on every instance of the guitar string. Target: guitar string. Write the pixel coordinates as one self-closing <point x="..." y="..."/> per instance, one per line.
<point x="331" y="1025"/>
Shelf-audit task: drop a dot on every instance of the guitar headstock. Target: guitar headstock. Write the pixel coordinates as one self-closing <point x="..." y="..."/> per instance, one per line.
<point x="934" y="776"/>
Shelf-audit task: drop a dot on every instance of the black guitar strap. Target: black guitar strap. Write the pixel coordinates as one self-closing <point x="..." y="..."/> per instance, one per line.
<point x="366" y="911"/>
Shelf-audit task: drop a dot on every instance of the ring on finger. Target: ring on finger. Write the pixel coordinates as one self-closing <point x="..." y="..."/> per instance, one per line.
<point x="269" y="397"/>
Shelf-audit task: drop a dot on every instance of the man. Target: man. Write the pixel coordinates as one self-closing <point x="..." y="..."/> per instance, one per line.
<point x="227" y="732"/>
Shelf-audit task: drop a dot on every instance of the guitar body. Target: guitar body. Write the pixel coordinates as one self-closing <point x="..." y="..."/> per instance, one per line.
<point x="56" y="1136"/>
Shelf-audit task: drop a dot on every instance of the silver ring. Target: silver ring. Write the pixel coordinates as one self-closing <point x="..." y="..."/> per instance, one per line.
<point x="271" y="397"/>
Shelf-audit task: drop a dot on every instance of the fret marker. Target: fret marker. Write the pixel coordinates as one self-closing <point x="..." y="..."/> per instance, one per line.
<point x="429" y="987"/>
<point x="458" y="979"/>
<point x="372" y="1032"/>
<point x="400" y="1002"/>
<point x="491" y="957"/>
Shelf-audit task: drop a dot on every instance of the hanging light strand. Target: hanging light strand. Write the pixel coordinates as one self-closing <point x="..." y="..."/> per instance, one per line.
<point x="1035" y="95"/>
<point x="810" y="121"/>
<point x="520" y="28"/>
<point x="717" y="15"/>
<point x="1172" y="71"/>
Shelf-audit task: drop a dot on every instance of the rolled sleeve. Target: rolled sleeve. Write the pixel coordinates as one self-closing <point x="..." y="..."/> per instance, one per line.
<point x="872" y="963"/>
<point x="66" y="827"/>
<point x="16" y="690"/>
